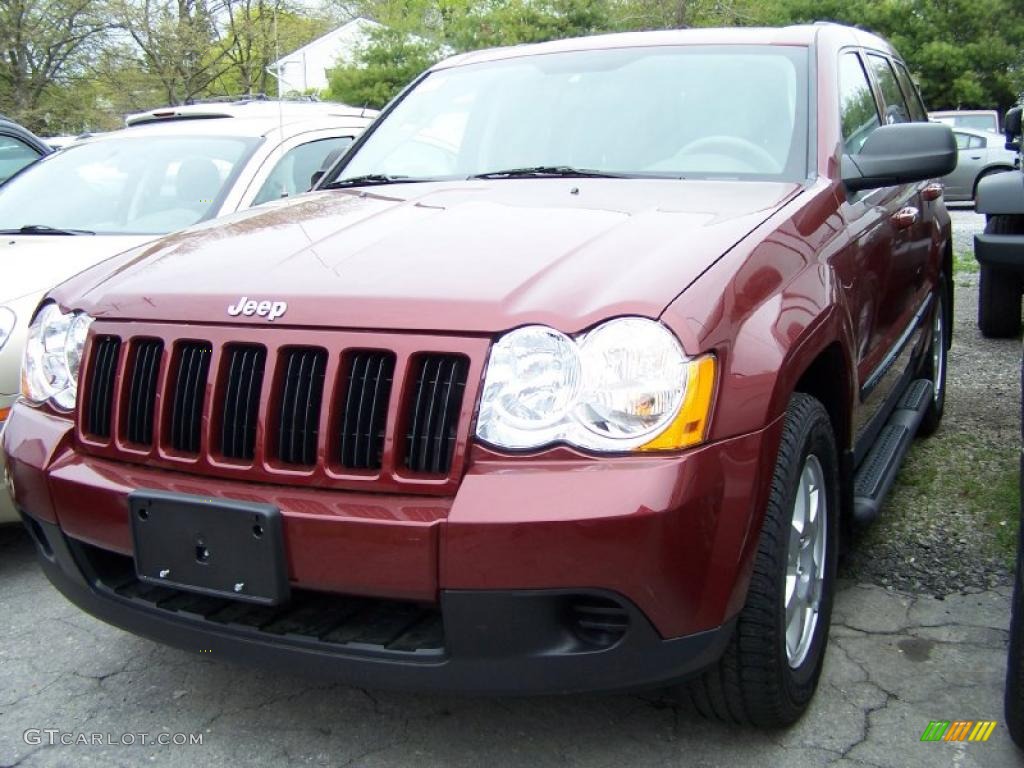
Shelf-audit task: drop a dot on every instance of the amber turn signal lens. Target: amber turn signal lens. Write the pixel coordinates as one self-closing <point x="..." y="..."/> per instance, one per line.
<point x="689" y="427"/>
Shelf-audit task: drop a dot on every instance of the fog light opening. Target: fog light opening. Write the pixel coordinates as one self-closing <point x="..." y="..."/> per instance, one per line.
<point x="598" y="621"/>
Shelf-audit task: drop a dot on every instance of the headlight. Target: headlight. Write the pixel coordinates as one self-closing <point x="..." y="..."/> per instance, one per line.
<point x="626" y="385"/>
<point x="53" y="354"/>
<point x="7" y="321"/>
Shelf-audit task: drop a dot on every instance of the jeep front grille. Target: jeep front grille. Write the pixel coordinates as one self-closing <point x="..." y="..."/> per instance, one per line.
<point x="366" y="402"/>
<point x="145" y="366"/>
<point x="440" y="381"/>
<point x="188" y="393"/>
<point x="241" y="400"/>
<point x="98" y="403"/>
<point x="298" y="420"/>
<point x="383" y="412"/>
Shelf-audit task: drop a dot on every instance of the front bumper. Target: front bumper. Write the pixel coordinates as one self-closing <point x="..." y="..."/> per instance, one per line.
<point x="513" y="569"/>
<point x="1000" y="251"/>
<point x="512" y="642"/>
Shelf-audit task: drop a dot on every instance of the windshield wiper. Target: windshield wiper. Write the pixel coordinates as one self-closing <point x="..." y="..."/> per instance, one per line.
<point x="371" y="179"/>
<point x="44" y="229"/>
<point x="553" y="171"/>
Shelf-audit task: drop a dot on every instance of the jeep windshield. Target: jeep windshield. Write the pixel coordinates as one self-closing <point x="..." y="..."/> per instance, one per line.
<point x="665" y="112"/>
<point x="125" y="184"/>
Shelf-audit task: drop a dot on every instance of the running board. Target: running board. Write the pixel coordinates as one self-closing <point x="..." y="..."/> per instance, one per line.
<point x="877" y="473"/>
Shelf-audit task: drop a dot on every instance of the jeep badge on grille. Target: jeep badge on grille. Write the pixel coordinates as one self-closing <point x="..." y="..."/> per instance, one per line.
<point x="271" y="310"/>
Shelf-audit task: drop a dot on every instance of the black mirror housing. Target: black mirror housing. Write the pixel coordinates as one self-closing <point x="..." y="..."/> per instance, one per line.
<point x="902" y="153"/>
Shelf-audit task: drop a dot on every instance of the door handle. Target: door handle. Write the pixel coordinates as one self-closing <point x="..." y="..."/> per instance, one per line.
<point x="905" y="217"/>
<point x="975" y="157"/>
<point x="932" y="192"/>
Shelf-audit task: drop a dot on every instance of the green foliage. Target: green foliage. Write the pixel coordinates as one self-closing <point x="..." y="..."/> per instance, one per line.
<point x="963" y="53"/>
<point x="390" y="61"/>
<point x="70" y="65"/>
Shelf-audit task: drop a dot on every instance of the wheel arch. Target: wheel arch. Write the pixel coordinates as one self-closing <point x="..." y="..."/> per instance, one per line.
<point x="989" y="170"/>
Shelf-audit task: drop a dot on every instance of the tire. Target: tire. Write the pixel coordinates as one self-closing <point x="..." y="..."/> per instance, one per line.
<point x="760" y="680"/>
<point x="999" y="291"/>
<point x="935" y="361"/>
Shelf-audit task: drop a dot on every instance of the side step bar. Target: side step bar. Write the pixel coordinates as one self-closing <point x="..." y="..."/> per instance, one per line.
<point x="876" y="474"/>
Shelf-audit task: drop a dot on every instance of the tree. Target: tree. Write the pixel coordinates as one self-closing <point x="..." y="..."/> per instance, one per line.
<point x="42" y="44"/>
<point x="176" y="41"/>
<point x="419" y="32"/>
<point x="963" y="53"/>
<point x="386" y="65"/>
<point x="256" y="33"/>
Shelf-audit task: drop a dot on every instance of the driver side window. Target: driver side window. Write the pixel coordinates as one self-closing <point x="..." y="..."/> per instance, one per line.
<point x="857" y="106"/>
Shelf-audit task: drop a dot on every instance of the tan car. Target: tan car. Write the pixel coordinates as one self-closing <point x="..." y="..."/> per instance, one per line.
<point x="167" y="171"/>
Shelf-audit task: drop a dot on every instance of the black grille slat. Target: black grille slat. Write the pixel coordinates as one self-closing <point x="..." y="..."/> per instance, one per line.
<point x="302" y="395"/>
<point x="433" y="422"/>
<point x="368" y="391"/>
<point x="142" y="391"/>
<point x="189" y="395"/>
<point x="246" y="364"/>
<point x="106" y="350"/>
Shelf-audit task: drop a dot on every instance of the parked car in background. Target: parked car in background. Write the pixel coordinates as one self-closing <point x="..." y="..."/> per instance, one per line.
<point x="170" y="169"/>
<point x="979" y="154"/>
<point x="571" y="375"/>
<point x="1000" y="249"/>
<point x="19" y="148"/>
<point x="975" y="119"/>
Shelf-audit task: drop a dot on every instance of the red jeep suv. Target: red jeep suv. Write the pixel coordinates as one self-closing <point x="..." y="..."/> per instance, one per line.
<point x="570" y="375"/>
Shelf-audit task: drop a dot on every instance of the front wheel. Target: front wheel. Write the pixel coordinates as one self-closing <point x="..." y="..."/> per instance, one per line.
<point x="935" y="362"/>
<point x="771" y="666"/>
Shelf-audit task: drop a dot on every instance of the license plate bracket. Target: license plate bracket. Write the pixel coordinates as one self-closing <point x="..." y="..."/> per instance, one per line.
<point x="217" y="547"/>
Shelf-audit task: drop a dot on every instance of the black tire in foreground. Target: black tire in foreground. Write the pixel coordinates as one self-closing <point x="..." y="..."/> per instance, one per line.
<point x="770" y="669"/>
<point x="999" y="290"/>
<point x="935" y="361"/>
<point x="1014" y="702"/>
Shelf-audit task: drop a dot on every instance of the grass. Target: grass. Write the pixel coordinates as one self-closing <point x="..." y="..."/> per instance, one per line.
<point x="971" y="482"/>
<point x="964" y="261"/>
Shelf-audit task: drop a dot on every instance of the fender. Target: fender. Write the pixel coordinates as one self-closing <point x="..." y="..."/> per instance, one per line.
<point x="1001" y="193"/>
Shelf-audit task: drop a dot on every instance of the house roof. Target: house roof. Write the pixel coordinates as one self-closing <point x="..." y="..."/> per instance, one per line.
<point x="357" y="24"/>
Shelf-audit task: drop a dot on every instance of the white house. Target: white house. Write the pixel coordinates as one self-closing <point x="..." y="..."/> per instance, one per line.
<point x="306" y="69"/>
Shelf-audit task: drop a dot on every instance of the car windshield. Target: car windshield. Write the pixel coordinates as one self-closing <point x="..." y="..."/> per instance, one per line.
<point x="667" y="111"/>
<point x="141" y="184"/>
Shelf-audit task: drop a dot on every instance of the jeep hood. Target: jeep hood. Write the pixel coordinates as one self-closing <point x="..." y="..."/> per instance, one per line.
<point x="479" y="256"/>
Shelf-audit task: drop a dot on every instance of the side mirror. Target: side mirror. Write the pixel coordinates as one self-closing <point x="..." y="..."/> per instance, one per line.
<point x="901" y="154"/>
<point x="325" y="166"/>
<point x="1012" y="128"/>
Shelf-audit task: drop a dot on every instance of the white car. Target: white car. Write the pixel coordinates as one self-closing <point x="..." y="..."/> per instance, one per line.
<point x="979" y="154"/>
<point x="169" y="169"/>
<point x="975" y="119"/>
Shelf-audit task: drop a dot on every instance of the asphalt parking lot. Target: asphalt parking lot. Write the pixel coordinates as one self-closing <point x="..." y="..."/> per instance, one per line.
<point x="896" y="661"/>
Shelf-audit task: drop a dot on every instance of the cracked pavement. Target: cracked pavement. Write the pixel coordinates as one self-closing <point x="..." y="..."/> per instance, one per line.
<point x="895" y="661"/>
